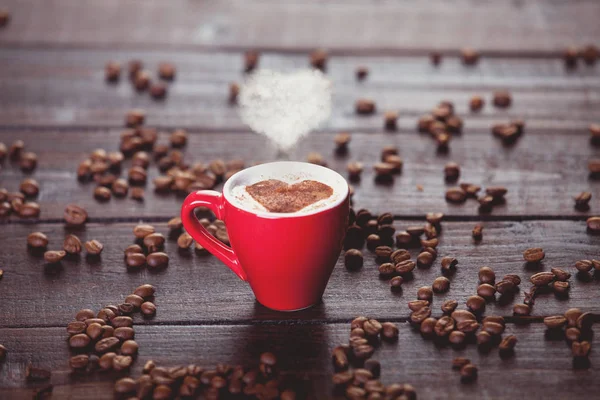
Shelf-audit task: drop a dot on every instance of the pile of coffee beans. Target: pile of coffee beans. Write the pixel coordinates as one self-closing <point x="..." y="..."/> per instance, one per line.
<point x="149" y="251"/>
<point x="141" y="79"/>
<point x="494" y="195"/>
<point x="20" y="203"/>
<point x="105" y="340"/>
<point x="356" y="374"/>
<point x="224" y="381"/>
<point x="576" y="327"/>
<point x="441" y="123"/>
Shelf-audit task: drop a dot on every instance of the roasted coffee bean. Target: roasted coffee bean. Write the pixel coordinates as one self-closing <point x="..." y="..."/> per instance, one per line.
<point x="354" y="169"/>
<point x="175" y="224"/>
<point x="340" y="358"/>
<point x="390" y="119"/>
<point x="483" y="338"/>
<point x="94" y="331"/>
<point x="125" y="386"/>
<point x="434" y="218"/>
<point x="157" y="260"/>
<point x="365" y="106"/>
<point x="84" y="314"/>
<point x="462" y="315"/>
<point x="373" y="241"/>
<point x="584" y="265"/>
<point x="144" y="291"/>
<point x="560" y="274"/>
<point x="449" y="263"/>
<point x="585" y="321"/>
<point x="363" y="351"/>
<point x="184" y="241"/>
<point x="76" y="327"/>
<point x="341" y="141"/>
<point x="502" y="99"/>
<point x="486" y="291"/>
<point x="28" y="210"/>
<point x="494" y="318"/>
<point x="457" y="338"/>
<point x="425" y="293"/>
<point x="508" y="343"/>
<point x="154" y="241"/>
<point x="135" y="260"/>
<point x="107" y="344"/>
<point x="468" y="373"/>
<point x="467" y="326"/>
<point x="521" y="309"/>
<point x="555" y="322"/>
<point x="72" y="244"/>
<point x="425" y="259"/>
<point x="28" y="161"/>
<point x="456" y="195"/>
<point x="94" y="247"/>
<point x="383" y="253"/>
<point x="505" y="286"/>
<point x="129" y="348"/>
<point x="37" y="374"/>
<point x="419" y="316"/>
<point x="449" y="306"/>
<point x="469" y="56"/>
<point x="318" y="59"/>
<point x="93" y="320"/>
<point x="427" y="327"/>
<point x="372" y="327"/>
<point x="54" y="256"/>
<point x="581" y="349"/>
<point x="37" y="240"/>
<point x="513" y="278"/>
<point x="417" y="304"/>
<point x="79" y="362"/>
<point x="433" y="243"/>
<point x="166" y="71"/>
<point x="451" y="172"/>
<point x="389" y="331"/>
<point x="593" y="224"/>
<point x="102" y="193"/>
<point x="79" y="341"/>
<point x="16" y="149"/>
<point x="470" y="189"/>
<point x="75" y="215"/>
<point x="399" y="256"/>
<point x="476" y="303"/>
<point x="141" y="81"/>
<point x="148" y="308"/>
<point x="541" y="278"/>
<point x="29" y="187"/>
<point x="460" y="362"/>
<point x="476" y="103"/>
<point x="477" y="232"/>
<point x="403" y="239"/>
<point x="107" y="313"/>
<point x="122" y="321"/>
<point x="431" y="231"/>
<point x="572" y="334"/>
<point x="582" y="199"/>
<point x="396" y="282"/>
<point x="112" y="71"/>
<point x="106" y="361"/>
<point x="444" y="326"/>
<point x="121" y="362"/>
<point x="534" y="255"/>
<point x="560" y="287"/>
<point x="441" y="285"/>
<point x="572" y="314"/>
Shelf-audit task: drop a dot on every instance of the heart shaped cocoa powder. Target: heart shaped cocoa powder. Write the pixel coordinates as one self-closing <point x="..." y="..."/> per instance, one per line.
<point x="280" y="197"/>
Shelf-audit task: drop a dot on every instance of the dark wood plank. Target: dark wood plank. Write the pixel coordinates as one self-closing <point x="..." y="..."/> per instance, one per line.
<point x="305" y="350"/>
<point x="502" y="26"/>
<point x="75" y="93"/>
<point x="543" y="171"/>
<point x="199" y="289"/>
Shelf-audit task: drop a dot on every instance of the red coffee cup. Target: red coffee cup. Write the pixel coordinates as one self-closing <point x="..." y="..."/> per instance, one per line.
<point x="286" y="258"/>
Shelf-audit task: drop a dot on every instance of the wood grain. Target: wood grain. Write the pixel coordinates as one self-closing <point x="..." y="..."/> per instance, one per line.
<point x="199" y="289"/>
<point x="544" y="367"/>
<point x="75" y="93"/>
<point x="501" y="26"/>
<point x="542" y="172"/>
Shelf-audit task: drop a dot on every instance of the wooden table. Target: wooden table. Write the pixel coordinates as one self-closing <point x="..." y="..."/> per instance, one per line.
<point x="53" y="96"/>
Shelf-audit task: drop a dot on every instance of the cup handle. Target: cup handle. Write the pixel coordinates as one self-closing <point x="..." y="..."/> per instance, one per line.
<point x="214" y="202"/>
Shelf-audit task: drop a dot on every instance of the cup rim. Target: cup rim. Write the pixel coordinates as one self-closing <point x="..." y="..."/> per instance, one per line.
<point x="267" y="214"/>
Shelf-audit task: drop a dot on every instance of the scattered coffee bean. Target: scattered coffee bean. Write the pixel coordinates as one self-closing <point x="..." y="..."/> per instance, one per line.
<point x="94" y="247"/>
<point x="72" y="244"/>
<point x="533" y="255"/>
<point x="318" y="59"/>
<point x="585" y="321"/>
<point x="486" y="291"/>
<point x="417" y="304"/>
<point x="451" y="172"/>
<point x="505" y="286"/>
<point x="460" y="362"/>
<point x="37" y="240"/>
<point x="142" y="80"/>
<point x="449" y="263"/>
<point x="157" y="260"/>
<point x="572" y="334"/>
<point x="425" y="259"/>
<point x="390" y="119"/>
<point x="469" y="56"/>
<point x="148" y="308"/>
<point x="425" y="293"/>
<point x="353" y="259"/>
<point x="560" y="274"/>
<point x="468" y="373"/>
<point x="154" y="242"/>
<point x="143" y="230"/>
<point x="476" y="304"/>
<point x="449" y="306"/>
<point x="521" y="309"/>
<point x="502" y="99"/>
<point x="54" y="256"/>
<point x="79" y="341"/>
<point x="28" y="161"/>
<point x="435" y="58"/>
<point x="570" y="56"/>
<point x="584" y="265"/>
<point x="102" y="193"/>
<point x="373" y="241"/>
<point x="418" y="316"/>
<point x="3" y="352"/>
<point x="444" y="326"/>
<point x="441" y="285"/>
<point x="184" y="241"/>
<point x="29" y="187"/>
<point x="125" y="386"/>
<point x="541" y="278"/>
<point x="121" y="362"/>
<point x="508" y="343"/>
<point x="234" y="90"/>
<point x="387" y="270"/>
<point x="365" y="106"/>
<point x="396" y="282"/>
<point x="560" y="287"/>
<point x="581" y="349"/>
<point x="476" y="103"/>
<point x="457" y="338"/>
<point x="582" y="199"/>
<point x="166" y="71"/>
<point x="456" y="195"/>
<point x="593" y="224"/>
<point x="75" y="215"/>
<point x="145" y="291"/>
<point x="135" y="300"/>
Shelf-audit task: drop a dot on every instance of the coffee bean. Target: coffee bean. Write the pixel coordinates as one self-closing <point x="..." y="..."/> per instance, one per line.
<point x="476" y="103"/>
<point x="593" y="224"/>
<point x="432" y="243"/>
<point x="389" y="331"/>
<point x="390" y="119"/>
<point x="354" y="169"/>
<point x="373" y="241"/>
<point x="470" y="189"/>
<point x="584" y="265"/>
<point x="75" y="215"/>
<point x="505" y="286"/>
<point x="125" y="386"/>
<point x="521" y="309"/>
<point x="477" y="232"/>
<point x="84" y="314"/>
<point x="154" y="242"/>
<point x="72" y="244"/>
<point x="129" y="348"/>
<point x="462" y="315"/>
<point x="37" y="240"/>
<point x="582" y="199"/>
<point x="533" y="255"/>
<point x="502" y="99"/>
<point x="372" y="327"/>
<point x="144" y="291"/>
<point x="541" y="278"/>
<point x="383" y="253"/>
<point x="590" y="54"/>
<point x="106" y="360"/>
<point x="456" y="195"/>
<point x="318" y="59"/>
<point x="457" y="338"/>
<point x="28" y="161"/>
<point x="29" y="187"/>
<point x="79" y="362"/>
<point x="486" y="291"/>
<point x="572" y="314"/>
<point x="508" y="343"/>
<point x="29" y="210"/>
<point x="365" y="106"/>
<point x="112" y="71"/>
<point x="420" y="315"/>
<point x="425" y="293"/>
<point x="403" y="239"/>
<point x="121" y="362"/>
<point x="476" y="303"/>
<point x="396" y="282"/>
<point x="157" y="260"/>
<point x="363" y="351"/>
<point x="134" y="248"/>
<point x="234" y="90"/>
<point x="76" y="327"/>
<point x="342" y="379"/>
<point x="560" y="274"/>
<point x="184" y="241"/>
<point x="148" y="308"/>
<point x="54" y="256"/>
<point x="555" y="322"/>
<point x="449" y="263"/>
<point x="468" y="373"/>
<point x="79" y="341"/>
<point x="451" y="172"/>
<point x="513" y="278"/>
<point x="581" y="349"/>
<point x="449" y="306"/>
<point x="469" y="56"/>
<point x="444" y="326"/>
<point x="460" y="362"/>
<point x="102" y="193"/>
<point x="16" y="149"/>
<point x="572" y="334"/>
<point x="570" y="56"/>
<point x="107" y="344"/>
<point x="417" y="304"/>
<point x="94" y="331"/>
<point x="560" y="287"/>
<point x="497" y="192"/>
<point x="425" y="259"/>
<point x="441" y="285"/>
<point x="94" y="247"/>
<point x="399" y="256"/>
<point x="166" y="71"/>
<point x="36" y="374"/>
<point x="135" y="260"/>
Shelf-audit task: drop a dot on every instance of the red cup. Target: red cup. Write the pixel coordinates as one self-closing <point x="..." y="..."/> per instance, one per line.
<point x="286" y="258"/>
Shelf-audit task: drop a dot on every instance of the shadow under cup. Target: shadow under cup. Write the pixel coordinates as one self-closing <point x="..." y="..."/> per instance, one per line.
<point x="286" y="258"/>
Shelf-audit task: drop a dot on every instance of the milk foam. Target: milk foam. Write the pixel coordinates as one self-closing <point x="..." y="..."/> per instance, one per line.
<point x="246" y="201"/>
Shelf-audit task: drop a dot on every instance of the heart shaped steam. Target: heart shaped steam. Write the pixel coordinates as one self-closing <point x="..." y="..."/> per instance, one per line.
<point x="285" y="107"/>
